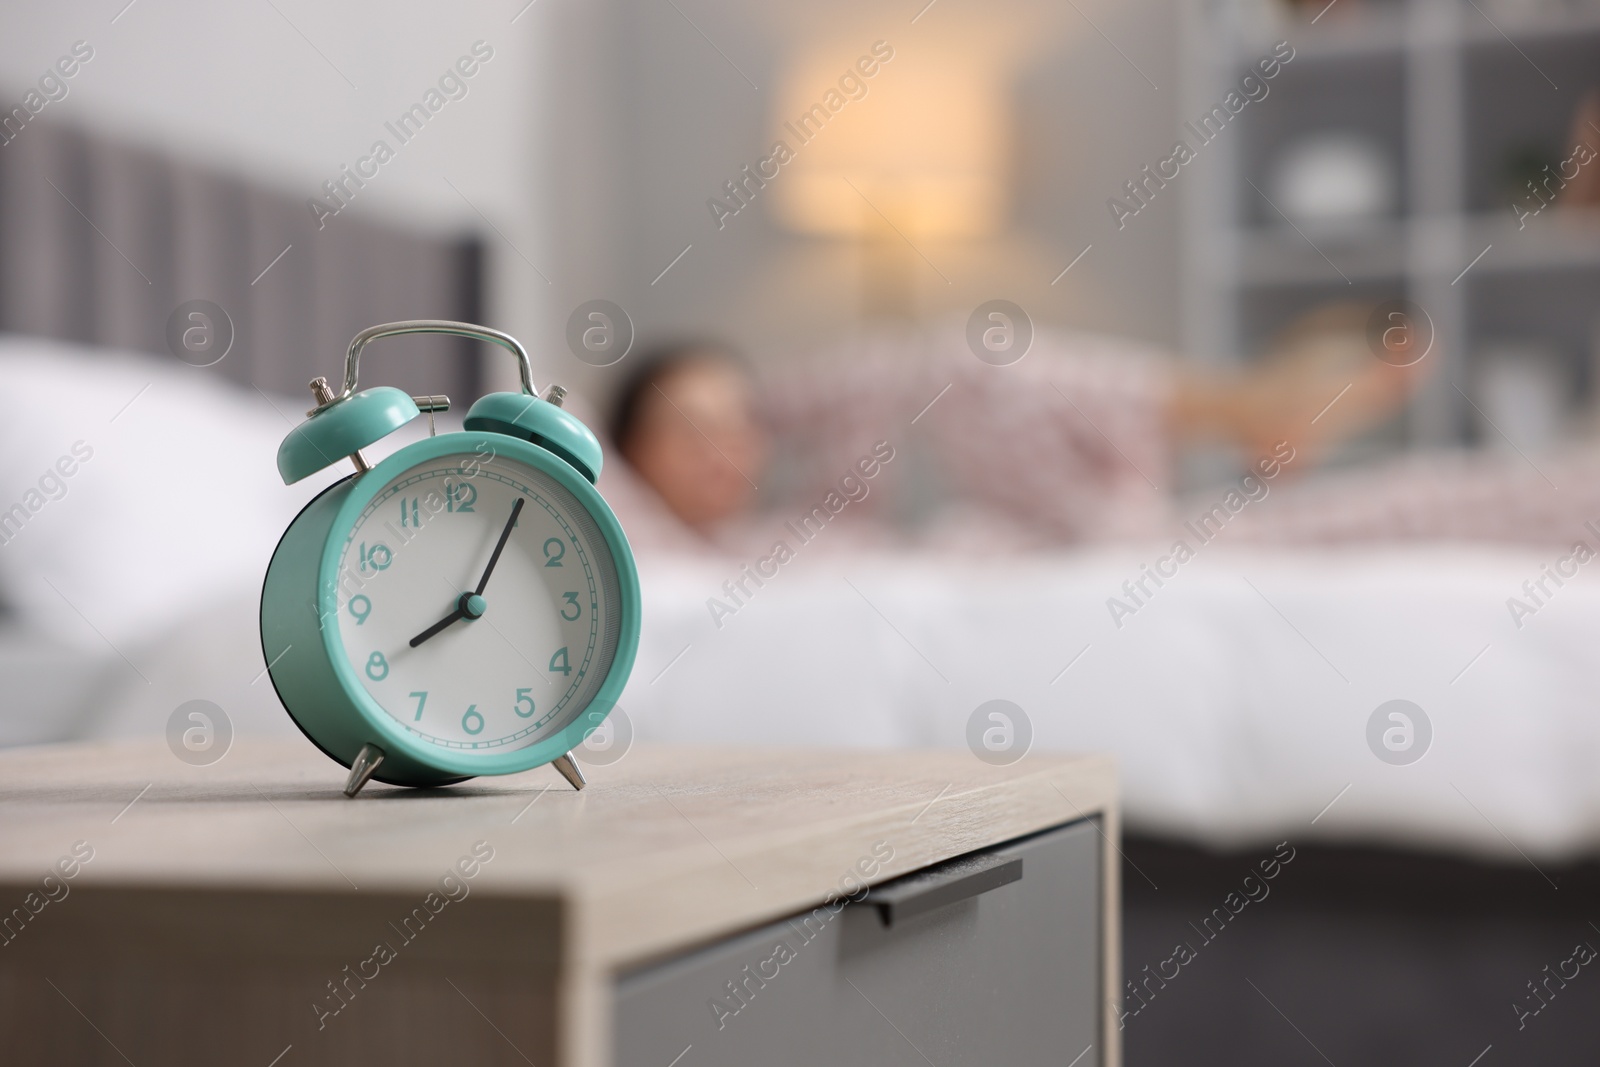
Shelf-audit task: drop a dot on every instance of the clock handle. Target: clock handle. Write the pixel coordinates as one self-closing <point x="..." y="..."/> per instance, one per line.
<point x="459" y="329"/>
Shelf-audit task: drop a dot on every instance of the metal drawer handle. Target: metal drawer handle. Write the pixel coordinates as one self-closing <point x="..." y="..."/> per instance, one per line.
<point x="959" y="879"/>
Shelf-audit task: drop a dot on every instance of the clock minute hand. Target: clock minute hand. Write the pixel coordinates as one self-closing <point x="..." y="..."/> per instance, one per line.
<point x="505" y="535"/>
<point x="464" y="606"/>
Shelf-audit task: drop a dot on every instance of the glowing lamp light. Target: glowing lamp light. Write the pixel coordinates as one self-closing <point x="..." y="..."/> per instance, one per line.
<point x="921" y="146"/>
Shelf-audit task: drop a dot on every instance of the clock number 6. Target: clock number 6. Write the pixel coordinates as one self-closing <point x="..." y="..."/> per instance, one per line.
<point x="555" y="550"/>
<point x="524" y="698"/>
<point x="572" y="602"/>
<point x="467" y="720"/>
<point x="377" y="667"/>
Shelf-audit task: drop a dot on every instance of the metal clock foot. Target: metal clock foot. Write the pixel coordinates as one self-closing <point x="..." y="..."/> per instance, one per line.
<point x="569" y="770"/>
<point x="361" y="771"/>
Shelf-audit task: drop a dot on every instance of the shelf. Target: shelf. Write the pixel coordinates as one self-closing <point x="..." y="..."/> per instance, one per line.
<point x="1272" y="256"/>
<point x="1460" y="108"/>
<point x="1477" y="31"/>
<point x="1386" y="33"/>
<point x="1376" y="34"/>
<point x="1557" y="239"/>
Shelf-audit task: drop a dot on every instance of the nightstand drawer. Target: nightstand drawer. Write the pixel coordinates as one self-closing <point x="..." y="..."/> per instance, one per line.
<point x="965" y="963"/>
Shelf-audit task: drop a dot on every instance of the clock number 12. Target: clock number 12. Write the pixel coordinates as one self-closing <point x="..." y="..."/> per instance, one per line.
<point x="461" y="496"/>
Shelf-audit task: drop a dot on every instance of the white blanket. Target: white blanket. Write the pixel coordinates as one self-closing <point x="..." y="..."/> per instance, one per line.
<point x="1236" y="699"/>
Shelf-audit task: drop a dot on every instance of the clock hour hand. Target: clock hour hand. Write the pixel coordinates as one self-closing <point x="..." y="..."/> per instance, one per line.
<point x="505" y="535"/>
<point x="471" y="605"/>
<point x="459" y="613"/>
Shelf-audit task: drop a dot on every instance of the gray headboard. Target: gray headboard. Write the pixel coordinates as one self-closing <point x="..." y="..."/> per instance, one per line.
<point x="100" y="241"/>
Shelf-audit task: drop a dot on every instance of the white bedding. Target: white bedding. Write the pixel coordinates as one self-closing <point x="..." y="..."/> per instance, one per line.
<point x="1229" y="724"/>
<point x="1236" y="700"/>
<point x="1231" y="721"/>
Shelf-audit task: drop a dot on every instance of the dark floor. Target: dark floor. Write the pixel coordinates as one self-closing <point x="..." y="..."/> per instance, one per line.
<point x="1357" y="957"/>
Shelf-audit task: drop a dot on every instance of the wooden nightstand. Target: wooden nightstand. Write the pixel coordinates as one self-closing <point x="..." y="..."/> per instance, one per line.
<point x="684" y="909"/>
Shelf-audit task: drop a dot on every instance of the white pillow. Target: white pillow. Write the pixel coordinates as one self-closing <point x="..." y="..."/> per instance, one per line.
<point x="134" y="489"/>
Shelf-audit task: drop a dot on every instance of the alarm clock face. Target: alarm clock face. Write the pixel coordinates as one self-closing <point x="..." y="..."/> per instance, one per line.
<point x="478" y="672"/>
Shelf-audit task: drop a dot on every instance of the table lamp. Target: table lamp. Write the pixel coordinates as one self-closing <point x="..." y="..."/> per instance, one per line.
<point x="919" y="155"/>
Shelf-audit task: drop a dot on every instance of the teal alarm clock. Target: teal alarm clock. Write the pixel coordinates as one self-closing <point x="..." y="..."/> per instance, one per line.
<point x="469" y="605"/>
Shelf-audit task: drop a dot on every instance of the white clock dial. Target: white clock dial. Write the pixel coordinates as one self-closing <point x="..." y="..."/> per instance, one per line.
<point x="511" y="666"/>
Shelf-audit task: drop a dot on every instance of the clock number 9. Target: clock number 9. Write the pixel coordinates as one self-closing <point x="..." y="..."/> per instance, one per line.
<point x="555" y="550"/>
<point x="469" y="717"/>
<point x="524" y="698"/>
<point x="360" y="607"/>
<point x="377" y="667"/>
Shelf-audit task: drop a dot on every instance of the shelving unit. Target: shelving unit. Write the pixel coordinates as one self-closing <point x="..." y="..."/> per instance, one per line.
<point x="1448" y="89"/>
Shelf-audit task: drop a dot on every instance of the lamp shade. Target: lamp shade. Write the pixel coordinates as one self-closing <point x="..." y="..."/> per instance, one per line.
<point x="923" y="145"/>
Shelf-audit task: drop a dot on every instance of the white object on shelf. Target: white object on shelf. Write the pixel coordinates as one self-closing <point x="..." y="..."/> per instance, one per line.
<point x="1332" y="178"/>
<point x="1521" y="388"/>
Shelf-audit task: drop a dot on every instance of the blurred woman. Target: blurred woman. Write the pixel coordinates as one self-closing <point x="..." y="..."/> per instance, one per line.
<point x="1073" y="444"/>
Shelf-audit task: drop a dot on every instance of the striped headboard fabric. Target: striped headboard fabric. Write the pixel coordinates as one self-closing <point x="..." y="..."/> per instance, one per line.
<point x="101" y="241"/>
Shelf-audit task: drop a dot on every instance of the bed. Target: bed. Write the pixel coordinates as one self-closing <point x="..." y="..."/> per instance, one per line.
<point x="1422" y="899"/>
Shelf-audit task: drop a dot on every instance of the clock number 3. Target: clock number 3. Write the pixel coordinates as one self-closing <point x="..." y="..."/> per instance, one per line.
<point x="377" y="667"/>
<point x="572" y="602"/>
